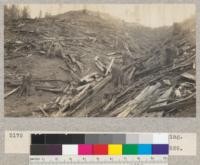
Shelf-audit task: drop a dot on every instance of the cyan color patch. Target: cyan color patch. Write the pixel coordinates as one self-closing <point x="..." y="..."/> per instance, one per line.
<point x="144" y="149"/>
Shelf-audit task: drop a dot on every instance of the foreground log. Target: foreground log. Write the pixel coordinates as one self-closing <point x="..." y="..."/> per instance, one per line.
<point x="89" y="78"/>
<point x="76" y="100"/>
<point x="90" y="95"/>
<point x="131" y="74"/>
<point x="100" y="65"/>
<point x="56" y="90"/>
<point x="109" y="67"/>
<point x="11" y="92"/>
<point x="140" y="103"/>
<point x="123" y="97"/>
<point x="43" y="111"/>
<point x="177" y="104"/>
<point x="188" y="76"/>
<point x="163" y="99"/>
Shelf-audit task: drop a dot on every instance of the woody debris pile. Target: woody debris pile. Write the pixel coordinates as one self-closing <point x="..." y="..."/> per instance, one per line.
<point x="87" y="64"/>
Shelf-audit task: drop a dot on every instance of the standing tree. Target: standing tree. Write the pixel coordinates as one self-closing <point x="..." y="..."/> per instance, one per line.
<point x="40" y="14"/>
<point x="14" y="12"/>
<point x="47" y="15"/>
<point x="6" y="13"/>
<point x="25" y="13"/>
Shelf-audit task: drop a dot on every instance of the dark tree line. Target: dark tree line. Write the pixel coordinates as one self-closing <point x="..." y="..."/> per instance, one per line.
<point x="13" y="12"/>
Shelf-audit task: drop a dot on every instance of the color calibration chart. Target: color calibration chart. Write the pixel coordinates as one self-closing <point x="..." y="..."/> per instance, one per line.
<point x="100" y="148"/>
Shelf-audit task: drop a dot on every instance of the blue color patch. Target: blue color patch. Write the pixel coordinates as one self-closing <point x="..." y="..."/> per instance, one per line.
<point x="144" y="149"/>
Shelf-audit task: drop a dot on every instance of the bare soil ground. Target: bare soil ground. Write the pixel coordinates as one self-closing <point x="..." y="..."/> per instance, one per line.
<point x="61" y="54"/>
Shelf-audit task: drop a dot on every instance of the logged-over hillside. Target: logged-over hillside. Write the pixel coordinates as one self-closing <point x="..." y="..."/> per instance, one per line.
<point x="85" y="64"/>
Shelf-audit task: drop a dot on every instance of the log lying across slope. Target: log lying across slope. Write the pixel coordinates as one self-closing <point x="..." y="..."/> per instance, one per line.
<point x="113" y="68"/>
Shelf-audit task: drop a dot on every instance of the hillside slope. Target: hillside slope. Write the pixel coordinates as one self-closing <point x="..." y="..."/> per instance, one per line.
<point x="66" y="53"/>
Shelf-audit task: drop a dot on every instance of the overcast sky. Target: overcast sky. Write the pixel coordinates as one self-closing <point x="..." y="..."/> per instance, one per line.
<point x="153" y="15"/>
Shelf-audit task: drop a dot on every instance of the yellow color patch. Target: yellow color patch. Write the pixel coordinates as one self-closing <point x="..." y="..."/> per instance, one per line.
<point x="115" y="149"/>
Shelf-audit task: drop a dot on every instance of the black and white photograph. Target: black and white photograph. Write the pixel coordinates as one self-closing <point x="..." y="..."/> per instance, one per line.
<point x="100" y="60"/>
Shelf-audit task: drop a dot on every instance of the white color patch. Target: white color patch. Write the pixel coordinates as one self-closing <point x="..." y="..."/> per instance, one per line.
<point x="69" y="149"/>
<point x="160" y="138"/>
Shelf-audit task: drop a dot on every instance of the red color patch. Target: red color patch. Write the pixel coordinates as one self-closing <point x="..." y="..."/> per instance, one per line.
<point x="100" y="149"/>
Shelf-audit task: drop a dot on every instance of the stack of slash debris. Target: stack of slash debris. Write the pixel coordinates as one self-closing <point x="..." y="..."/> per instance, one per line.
<point x="114" y="71"/>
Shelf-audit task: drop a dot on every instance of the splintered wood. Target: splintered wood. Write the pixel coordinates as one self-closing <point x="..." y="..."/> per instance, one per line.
<point x="96" y="67"/>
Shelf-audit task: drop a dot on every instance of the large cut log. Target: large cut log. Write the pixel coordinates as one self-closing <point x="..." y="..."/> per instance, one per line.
<point x="131" y="74"/>
<point x="11" y="92"/>
<point x="123" y="97"/>
<point x="56" y="90"/>
<point x="43" y="111"/>
<point x="189" y="76"/>
<point x="177" y="104"/>
<point x="140" y="103"/>
<point x="75" y="62"/>
<point x="76" y="100"/>
<point x="180" y="68"/>
<point x="102" y="69"/>
<point x="50" y="80"/>
<point x="163" y="98"/>
<point x="112" y="53"/>
<point x="91" y="94"/>
<point x="100" y="65"/>
<point x="12" y="57"/>
<point x="109" y="67"/>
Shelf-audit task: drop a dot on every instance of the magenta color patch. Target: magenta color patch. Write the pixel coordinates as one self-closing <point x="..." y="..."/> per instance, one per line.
<point x="85" y="149"/>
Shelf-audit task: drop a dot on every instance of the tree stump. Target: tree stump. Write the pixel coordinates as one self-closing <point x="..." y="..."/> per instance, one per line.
<point x="25" y="87"/>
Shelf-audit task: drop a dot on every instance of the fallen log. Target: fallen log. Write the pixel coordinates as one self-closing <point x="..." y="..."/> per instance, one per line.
<point x="12" y="57"/>
<point x="72" y="103"/>
<point x="181" y="67"/>
<point x="69" y="67"/>
<point x="102" y="69"/>
<point x="109" y="67"/>
<point x="177" y="104"/>
<point x="91" y="94"/>
<point x="163" y="98"/>
<point x="188" y="76"/>
<point x="140" y="103"/>
<point x="75" y="62"/>
<point x="123" y="97"/>
<point x="74" y="76"/>
<point x="58" y="90"/>
<point x="112" y="53"/>
<point x="131" y="74"/>
<point x="11" y="92"/>
<point x="44" y="112"/>
<point x="89" y="78"/>
<point x="100" y="65"/>
<point x="50" y="80"/>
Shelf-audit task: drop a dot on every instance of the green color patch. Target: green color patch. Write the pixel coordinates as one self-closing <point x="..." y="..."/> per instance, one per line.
<point x="130" y="149"/>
